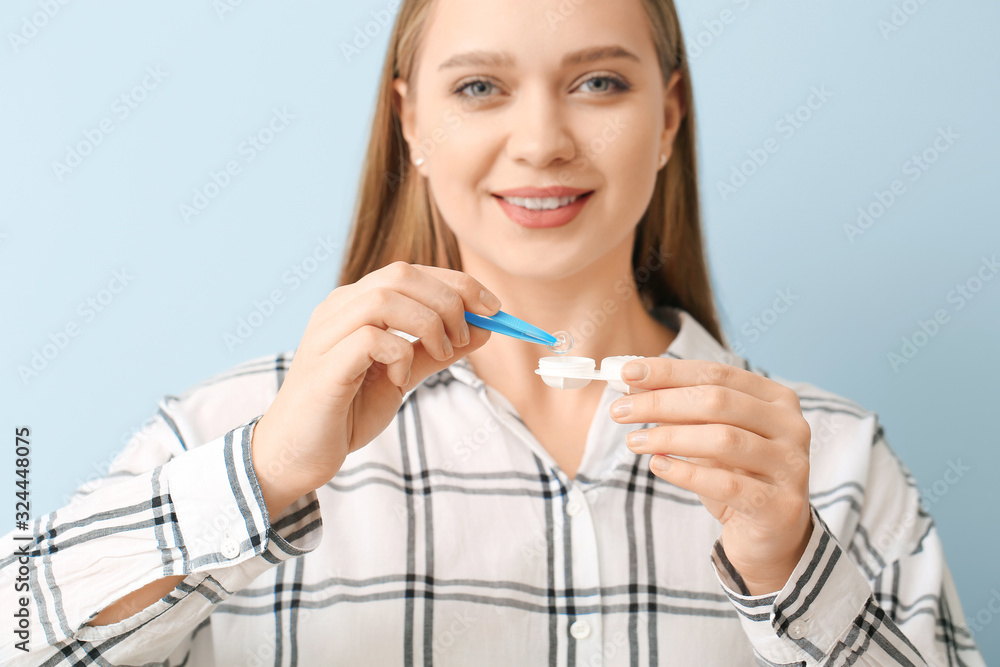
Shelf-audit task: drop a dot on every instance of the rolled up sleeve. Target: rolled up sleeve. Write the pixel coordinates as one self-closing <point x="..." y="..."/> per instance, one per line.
<point x="200" y="513"/>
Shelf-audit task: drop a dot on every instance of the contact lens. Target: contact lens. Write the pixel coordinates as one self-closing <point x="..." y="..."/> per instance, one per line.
<point x="564" y="342"/>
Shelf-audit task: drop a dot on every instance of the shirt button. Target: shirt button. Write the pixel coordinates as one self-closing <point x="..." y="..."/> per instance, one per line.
<point x="573" y="508"/>
<point x="797" y="630"/>
<point x="580" y="629"/>
<point x="230" y="548"/>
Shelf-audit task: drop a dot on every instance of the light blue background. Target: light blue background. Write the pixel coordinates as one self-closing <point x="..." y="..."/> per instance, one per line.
<point x="63" y="240"/>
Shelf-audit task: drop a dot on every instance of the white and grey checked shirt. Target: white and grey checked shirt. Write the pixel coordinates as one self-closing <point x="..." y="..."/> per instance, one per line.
<point x="454" y="539"/>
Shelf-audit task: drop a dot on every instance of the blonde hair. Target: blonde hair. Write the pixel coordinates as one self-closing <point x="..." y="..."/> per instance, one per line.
<point x="395" y="218"/>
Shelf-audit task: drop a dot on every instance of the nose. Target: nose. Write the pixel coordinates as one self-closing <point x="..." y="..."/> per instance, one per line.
<point x="539" y="134"/>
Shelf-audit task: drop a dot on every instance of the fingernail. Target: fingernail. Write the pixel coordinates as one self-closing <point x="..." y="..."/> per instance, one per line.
<point x="448" y="349"/>
<point x="660" y="463"/>
<point x="622" y="409"/>
<point x="637" y="438"/>
<point x="489" y="300"/>
<point x="635" y="370"/>
<point x="463" y="335"/>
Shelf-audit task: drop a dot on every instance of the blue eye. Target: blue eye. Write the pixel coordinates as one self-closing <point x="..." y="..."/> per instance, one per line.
<point x="460" y="90"/>
<point x="617" y="85"/>
<point x="615" y="81"/>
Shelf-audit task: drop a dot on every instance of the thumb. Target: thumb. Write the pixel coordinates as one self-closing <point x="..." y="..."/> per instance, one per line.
<point x="424" y="364"/>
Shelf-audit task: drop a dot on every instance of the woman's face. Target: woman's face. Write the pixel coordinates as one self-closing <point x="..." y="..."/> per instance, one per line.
<point x="514" y="94"/>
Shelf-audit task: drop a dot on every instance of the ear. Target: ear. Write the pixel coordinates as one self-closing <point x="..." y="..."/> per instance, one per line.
<point x="674" y="108"/>
<point x="405" y="111"/>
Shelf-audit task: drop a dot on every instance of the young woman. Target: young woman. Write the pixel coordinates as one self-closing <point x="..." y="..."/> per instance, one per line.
<point x="383" y="501"/>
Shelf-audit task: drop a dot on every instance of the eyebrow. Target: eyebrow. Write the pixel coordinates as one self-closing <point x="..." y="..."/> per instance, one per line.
<point x="506" y="59"/>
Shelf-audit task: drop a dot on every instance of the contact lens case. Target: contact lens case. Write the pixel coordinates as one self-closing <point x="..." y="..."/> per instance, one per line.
<point x="577" y="372"/>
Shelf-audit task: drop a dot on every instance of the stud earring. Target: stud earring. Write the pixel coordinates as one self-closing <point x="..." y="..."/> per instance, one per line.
<point x="663" y="159"/>
<point x="419" y="161"/>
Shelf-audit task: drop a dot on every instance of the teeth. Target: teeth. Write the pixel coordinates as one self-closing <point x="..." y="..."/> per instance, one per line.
<point x="541" y="204"/>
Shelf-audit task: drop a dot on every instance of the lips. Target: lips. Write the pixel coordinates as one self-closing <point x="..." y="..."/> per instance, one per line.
<point x="542" y="218"/>
<point x="541" y="193"/>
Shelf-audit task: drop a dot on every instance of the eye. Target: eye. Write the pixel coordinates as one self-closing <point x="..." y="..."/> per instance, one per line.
<point x="474" y="84"/>
<point x="615" y="81"/>
<point x="481" y="87"/>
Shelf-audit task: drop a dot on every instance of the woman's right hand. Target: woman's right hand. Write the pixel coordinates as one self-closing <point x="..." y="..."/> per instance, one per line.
<point x="349" y="374"/>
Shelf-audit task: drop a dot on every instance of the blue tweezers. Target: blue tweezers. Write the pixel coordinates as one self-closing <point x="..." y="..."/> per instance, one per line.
<point x="508" y="325"/>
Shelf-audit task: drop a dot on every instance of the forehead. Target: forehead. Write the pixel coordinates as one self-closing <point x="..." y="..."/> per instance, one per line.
<point x="536" y="33"/>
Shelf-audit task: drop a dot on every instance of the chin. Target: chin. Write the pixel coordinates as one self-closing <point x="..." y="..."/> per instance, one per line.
<point x="542" y="267"/>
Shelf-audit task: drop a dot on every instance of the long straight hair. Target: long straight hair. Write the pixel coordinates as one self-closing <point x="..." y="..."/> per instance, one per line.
<point x="396" y="219"/>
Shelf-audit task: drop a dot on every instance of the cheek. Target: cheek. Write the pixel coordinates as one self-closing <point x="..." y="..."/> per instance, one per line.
<point x="461" y="167"/>
<point x="456" y="186"/>
<point x="462" y="155"/>
<point x="628" y="165"/>
<point x="632" y="142"/>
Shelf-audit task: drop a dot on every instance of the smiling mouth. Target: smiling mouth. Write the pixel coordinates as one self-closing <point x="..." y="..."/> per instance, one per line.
<point x="543" y="203"/>
<point x="543" y="212"/>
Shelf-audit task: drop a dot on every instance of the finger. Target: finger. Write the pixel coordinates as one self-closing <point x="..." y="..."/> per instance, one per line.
<point x="338" y="315"/>
<point x="703" y="404"/>
<point x="725" y="444"/>
<point x="476" y="298"/>
<point x="342" y="366"/>
<point x="447" y="292"/>
<point x="745" y="494"/>
<point x="665" y="372"/>
<point x="475" y="295"/>
<point x="424" y="364"/>
<point x="384" y="307"/>
<point x="473" y="292"/>
<point x="397" y="356"/>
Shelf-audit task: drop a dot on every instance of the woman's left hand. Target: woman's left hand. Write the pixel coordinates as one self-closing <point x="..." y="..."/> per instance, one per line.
<point x="747" y="449"/>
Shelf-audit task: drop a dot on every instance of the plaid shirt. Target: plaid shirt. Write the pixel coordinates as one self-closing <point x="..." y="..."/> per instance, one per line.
<point x="454" y="538"/>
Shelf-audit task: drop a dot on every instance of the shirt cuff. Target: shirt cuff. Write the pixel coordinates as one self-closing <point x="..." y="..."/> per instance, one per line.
<point x="220" y="510"/>
<point x="211" y="522"/>
<point x="816" y="607"/>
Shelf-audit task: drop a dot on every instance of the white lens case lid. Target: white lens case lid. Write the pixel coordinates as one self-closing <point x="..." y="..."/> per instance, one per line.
<point x="577" y="372"/>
